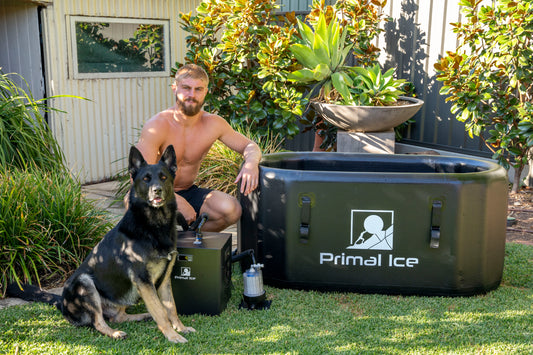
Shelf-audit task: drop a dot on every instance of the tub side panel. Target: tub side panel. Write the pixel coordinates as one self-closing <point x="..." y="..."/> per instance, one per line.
<point x="263" y="222"/>
<point x="480" y="245"/>
<point x="348" y="220"/>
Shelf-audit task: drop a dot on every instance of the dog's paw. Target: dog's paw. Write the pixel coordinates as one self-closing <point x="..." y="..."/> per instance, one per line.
<point x="175" y="337"/>
<point x="183" y="329"/>
<point x="188" y="330"/>
<point x="119" y="334"/>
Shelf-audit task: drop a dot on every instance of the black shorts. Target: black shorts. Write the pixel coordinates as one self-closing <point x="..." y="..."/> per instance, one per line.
<point x="195" y="196"/>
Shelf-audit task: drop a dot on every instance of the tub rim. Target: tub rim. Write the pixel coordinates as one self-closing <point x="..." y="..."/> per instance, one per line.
<point x="487" y="166"/>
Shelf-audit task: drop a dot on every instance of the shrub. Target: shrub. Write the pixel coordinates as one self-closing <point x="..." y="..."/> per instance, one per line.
<point x="47" y="226"/>
<point x="489" y="78"/>
<point x="243" y="45"/>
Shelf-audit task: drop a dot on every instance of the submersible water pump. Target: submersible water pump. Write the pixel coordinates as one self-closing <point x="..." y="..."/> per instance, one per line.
<point x="254" y="296"/>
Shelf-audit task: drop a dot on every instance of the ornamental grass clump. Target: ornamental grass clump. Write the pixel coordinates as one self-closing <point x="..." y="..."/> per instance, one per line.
<point x="24" y="135"/>
<point x="221" y="165"/>
<point x="46" y="225"/>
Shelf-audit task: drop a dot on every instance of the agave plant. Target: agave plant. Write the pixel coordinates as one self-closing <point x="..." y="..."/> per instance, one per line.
<point x="322" y="53"/>
<point x="374" y="88"/>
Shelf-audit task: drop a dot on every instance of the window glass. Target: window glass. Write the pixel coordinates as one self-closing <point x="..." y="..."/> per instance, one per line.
<point x="105" y="47"/>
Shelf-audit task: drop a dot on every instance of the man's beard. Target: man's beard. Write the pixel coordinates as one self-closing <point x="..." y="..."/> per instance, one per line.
<point x="189" y="107"/>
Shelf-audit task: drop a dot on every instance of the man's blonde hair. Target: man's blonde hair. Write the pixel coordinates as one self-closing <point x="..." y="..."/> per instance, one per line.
<point x="192" y="71"/>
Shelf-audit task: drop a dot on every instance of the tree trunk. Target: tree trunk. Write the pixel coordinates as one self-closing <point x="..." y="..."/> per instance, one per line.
<point x="516" y="179"/>
<point x="318" y="142"/>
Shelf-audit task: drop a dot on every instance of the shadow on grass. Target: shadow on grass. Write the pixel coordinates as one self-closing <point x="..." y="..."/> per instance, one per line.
<point x="311" y="322"/>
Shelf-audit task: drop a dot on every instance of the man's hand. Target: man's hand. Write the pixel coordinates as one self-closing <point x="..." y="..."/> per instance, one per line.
<point x="185" y="209"/>
<point x="249" y="177"/>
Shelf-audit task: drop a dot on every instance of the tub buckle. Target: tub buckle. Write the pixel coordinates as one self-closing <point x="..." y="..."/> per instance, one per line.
<point x="435" y="224"/>
<point x="305" y="216"/>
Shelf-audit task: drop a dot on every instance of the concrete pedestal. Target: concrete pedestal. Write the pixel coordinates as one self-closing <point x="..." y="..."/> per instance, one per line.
<point x="365" y="142"/>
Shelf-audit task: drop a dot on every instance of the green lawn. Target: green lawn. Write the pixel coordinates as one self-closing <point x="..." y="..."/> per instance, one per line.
<point x="303" y="322"/>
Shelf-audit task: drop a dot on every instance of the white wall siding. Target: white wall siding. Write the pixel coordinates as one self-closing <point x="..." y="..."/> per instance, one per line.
<point x="96" y="134"/>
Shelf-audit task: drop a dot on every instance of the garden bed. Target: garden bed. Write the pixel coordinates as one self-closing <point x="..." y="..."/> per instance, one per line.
<point x="521" y="209"/>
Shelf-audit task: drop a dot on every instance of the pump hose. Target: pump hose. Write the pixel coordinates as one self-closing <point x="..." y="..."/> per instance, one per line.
<point x="245" y="254"/>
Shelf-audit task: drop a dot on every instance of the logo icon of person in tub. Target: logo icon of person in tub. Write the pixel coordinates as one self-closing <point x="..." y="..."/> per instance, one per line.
<point x="372" y="230"/>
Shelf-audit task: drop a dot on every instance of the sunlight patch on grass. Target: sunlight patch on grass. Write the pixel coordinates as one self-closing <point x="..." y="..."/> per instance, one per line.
<point x="275" y="334"/>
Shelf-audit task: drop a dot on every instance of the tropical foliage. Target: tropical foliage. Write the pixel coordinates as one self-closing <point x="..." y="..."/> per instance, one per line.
<point x="243" y="45"/>
<point x="374" y="88"/>
<point x="245" y="48"/>
<point x="489" y="78"/>
<point x="322" y="53"/>
<point x="334" y="34"/>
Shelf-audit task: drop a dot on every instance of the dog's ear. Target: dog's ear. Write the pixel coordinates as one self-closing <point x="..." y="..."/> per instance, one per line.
<point x="169" y="159"/>
<point x="136" y="161"/>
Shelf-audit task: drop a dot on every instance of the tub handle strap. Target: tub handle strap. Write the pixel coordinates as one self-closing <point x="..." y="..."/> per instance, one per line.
<point x="435" y="224"/>
<point x="305" y="216"/>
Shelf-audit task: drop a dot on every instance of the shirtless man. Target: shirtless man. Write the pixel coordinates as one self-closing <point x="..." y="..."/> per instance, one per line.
<point x="192" y="131"/>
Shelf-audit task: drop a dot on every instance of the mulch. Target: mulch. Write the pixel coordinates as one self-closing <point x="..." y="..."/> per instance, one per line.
<point x="520" y="217"/>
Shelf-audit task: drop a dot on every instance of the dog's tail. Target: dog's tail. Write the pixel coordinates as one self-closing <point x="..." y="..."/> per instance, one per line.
<point x="33" y="293"/>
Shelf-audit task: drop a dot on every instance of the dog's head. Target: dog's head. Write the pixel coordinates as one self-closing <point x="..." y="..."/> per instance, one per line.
<point x="153" y="183"/>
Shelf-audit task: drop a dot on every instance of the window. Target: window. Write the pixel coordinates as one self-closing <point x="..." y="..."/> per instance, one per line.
<point x="105" y="47"/>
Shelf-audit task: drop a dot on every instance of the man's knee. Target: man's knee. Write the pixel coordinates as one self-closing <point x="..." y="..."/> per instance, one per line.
<point x="225" y="206"/>
<point x="231" y="209"/>
<point x="235" y="212"/>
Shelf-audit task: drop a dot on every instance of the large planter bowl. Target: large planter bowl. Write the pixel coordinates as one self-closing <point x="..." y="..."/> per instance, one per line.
<point x="368" y="118"/>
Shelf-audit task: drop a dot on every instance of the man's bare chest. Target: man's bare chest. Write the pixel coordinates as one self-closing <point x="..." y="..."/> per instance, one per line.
<point x="190" y="146"/>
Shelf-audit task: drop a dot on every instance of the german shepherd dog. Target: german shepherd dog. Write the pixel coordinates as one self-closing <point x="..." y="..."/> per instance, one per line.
<point x="134" y="259"/>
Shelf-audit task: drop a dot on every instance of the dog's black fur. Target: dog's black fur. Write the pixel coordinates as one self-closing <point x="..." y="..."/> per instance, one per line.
<point x="133" y="260"/>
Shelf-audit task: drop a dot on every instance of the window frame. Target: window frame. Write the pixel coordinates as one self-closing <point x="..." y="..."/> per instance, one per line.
<point x="114" y="75"/>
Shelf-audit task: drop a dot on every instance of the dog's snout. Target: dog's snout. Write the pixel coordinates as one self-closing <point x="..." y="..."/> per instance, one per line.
<point x="156" y="189"/>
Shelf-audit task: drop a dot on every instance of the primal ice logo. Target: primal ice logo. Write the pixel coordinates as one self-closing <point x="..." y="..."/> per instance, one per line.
<point x="185" y="271"/>
<point x="372" y="229"/>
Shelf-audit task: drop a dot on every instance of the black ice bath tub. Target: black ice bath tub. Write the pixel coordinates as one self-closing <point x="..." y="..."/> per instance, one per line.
<point x="402" y="224"/>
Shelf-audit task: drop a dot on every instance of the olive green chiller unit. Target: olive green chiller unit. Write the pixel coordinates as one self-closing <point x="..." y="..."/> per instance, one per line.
<point x="201" y="278"/>
<point x="401" y="224"/>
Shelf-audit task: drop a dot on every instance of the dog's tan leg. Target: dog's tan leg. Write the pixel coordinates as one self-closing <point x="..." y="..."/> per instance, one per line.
<point x="167" y="299"/>
<point x="158" y="312"/>
<point x="122" y="316"/>
<point x="100" y="325"/>
<point x="82" y="297"/>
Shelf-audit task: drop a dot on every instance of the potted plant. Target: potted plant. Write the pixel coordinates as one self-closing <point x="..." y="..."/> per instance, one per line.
<point x="350" y="97"/>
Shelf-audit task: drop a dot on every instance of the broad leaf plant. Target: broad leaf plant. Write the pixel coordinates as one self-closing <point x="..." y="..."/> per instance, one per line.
<point x="244" y="47"/>
<point x="489" y="78"/>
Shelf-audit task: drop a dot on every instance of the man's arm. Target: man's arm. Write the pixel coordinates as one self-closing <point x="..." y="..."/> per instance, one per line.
<point x="151" y="139"/>
<point x="249" y="174"/>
